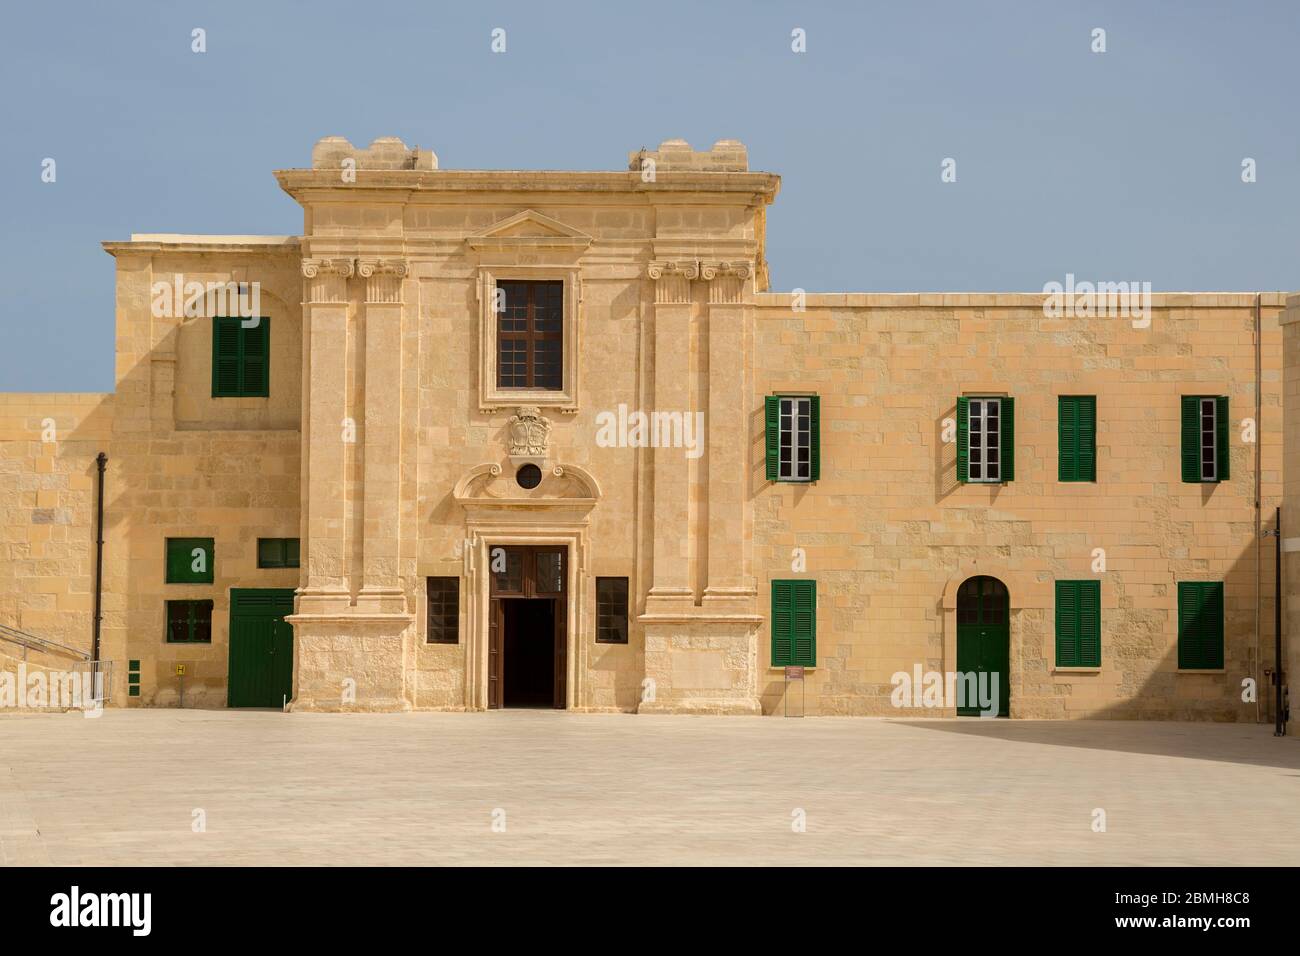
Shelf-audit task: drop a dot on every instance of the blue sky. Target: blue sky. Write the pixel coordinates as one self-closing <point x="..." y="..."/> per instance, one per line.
<point x="1119" y="165"/>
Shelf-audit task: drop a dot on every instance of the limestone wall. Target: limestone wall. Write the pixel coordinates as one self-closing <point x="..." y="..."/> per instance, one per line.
<point x="184" y="464"/>
<point x="888" y="528"/>
<point x="1290" y="319"/>
<point x="387" y="448"/>
<point x="48" y="445"/>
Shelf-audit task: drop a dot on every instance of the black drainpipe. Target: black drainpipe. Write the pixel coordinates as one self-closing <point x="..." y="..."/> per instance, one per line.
<point x="101" y="460"/>
<point x="1279" y="728"/>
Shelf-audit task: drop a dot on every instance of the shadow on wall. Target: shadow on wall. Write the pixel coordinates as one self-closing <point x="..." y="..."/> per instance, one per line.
<point x="1187" y="700"/>
<point x="159" y="482"/>
<point x="48" y="445"/>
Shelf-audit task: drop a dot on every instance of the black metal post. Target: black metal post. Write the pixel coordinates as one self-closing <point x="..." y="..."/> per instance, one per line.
<point x="1279" y="728"/>
<point x="101" y="460"/>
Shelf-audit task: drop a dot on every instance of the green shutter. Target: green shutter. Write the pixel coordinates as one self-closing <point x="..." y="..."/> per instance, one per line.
<point x="277" y="552"/>
<point x="270" y="552"/>
<point x="772" y="419"/>
<point x="1189" y="642"/>
<point x="963" y="437"/>
<point x="1077" y="438"/>
<point x="1191" y="438"/>
<point x="180" y="561"/>
<point x="1007" y="440"/>
<point x="1067" y="624"/>
<point x="1078" y="623"/>
<point x="241" y="357"/>
<point x="794" y="623"/>
<point x="815" y="436"/>
<point x="782" y="622"/>
<point x="1221" y="449"/>
<point x="1089" y="623"/>
<point x="174" y="570"/>
<point x="225" y="356"/>
<point x="1200" y="625"/>
<point x="805" y="623"/>
<point x="256" y="358"/>
<point x="1087" y="437"/>
<point x="1067" y="456"/>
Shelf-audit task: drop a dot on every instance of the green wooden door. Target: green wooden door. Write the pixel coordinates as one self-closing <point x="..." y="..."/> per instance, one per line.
<point x="984" y="640"/>
<point x="261" y="647"/>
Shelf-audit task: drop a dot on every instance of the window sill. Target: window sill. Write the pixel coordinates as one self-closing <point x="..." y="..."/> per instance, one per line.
<point x="1202" y="670"/>
<point x="1076" y="670"/>
<point x="499" y="399"/>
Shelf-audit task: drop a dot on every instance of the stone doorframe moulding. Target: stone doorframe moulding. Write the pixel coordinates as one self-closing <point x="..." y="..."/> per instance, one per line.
<point x="1022" y="592"/>
<point x="482" y="538"/>
<point x="538" y="517"/>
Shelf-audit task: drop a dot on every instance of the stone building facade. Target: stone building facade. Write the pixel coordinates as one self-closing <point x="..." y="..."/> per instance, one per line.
<point x="498" y="438"/>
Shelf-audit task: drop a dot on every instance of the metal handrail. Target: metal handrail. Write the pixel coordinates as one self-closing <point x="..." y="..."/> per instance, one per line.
<point x="32" y="642"/>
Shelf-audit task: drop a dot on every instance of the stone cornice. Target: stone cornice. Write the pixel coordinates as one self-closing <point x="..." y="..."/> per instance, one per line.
<point x="321" y="184"/>
<point x="1000" y="300"/>
<point x="270" y="245"/>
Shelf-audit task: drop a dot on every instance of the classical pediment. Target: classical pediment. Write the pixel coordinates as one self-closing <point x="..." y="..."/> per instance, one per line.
<point x="529" y="230"/>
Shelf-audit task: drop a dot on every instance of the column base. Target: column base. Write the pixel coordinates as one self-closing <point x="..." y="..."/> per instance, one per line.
<point x="718" y="707"/>
<point x="701" y="663"/>
<point x="675" y="601"/>
<point x="727" y="601"/>
<point x="381" y="600"/>
<point x="350" y="663"/>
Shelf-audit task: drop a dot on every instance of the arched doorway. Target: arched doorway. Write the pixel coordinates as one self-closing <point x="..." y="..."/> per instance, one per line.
<point x="984" y="641"/>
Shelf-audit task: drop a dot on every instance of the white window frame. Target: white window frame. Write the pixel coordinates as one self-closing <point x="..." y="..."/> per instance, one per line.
<point x="977" y="423"/>
<point x="1204" y="407"/>
<point x="792" y="439"/>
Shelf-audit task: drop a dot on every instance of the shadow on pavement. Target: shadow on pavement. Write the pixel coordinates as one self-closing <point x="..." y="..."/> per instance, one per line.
<point x="1231" y="743"/>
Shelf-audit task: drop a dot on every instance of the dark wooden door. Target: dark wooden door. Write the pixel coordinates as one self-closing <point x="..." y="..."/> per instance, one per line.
<point x="984" y="640"/>
<point x="496" y="634"/>
<point x="561" y="654"/>
<point x="523" y="572"/>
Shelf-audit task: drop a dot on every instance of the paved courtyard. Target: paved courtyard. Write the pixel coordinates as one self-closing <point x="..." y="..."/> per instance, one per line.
<point x="571" y="789"/>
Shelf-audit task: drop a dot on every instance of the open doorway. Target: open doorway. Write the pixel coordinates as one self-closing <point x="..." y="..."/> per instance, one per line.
<point x="528" y="649"/>
<point x="528" y="636"/>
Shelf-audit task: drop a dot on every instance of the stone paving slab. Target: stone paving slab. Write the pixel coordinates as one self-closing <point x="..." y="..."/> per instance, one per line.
<point x="321" y="789"/>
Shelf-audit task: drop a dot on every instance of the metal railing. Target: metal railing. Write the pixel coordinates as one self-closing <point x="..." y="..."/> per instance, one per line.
<point x="95" y="678"/>
<point x="100" y="680"/>
<point x="33" y="643"/>
<point x="79" y="685"/>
